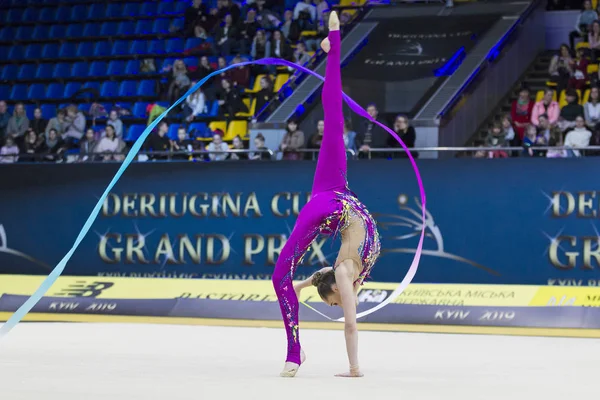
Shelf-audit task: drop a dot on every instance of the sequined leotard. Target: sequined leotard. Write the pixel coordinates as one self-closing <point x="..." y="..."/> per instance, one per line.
<point x="333" y="208"/>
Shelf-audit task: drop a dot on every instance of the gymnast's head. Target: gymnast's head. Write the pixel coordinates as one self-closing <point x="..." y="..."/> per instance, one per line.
<point x="327" y="288"/>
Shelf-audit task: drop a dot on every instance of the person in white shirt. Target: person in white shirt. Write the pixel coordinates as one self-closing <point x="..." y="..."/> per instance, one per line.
<point x="308" y="7"/>
<point x="195" y="105"/>
<point x="217" y="144"/>
<point x="592" y="108"/>
<point x="578" y="137"/>
<point x="116" y="123"/>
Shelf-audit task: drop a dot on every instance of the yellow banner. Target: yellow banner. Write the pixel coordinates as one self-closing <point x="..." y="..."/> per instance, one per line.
<point x="245" y="290"/>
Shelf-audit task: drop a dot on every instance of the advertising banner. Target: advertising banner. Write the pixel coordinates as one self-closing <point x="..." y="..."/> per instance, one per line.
<point x="501" y="222"/>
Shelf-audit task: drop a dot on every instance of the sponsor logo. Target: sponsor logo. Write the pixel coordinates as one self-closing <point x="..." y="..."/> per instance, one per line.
<point x="85" y="289"/>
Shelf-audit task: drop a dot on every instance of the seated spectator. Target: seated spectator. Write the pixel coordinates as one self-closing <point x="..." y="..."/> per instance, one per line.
<point x="202" y="70"/>
<point x="75" y="124"/>
<point x="261" y="47"/>
<point x="371" y="136"/>
<point x="322" y="32"/>
<point x="230" y="102"/>
<point x="262" y="152"/>
<point x="110" y="147"/>
<point x="183" y="146"/>
<point x="267" y="19"/>
<point x="38" y="123"/>
<point x="521" y="111"/>
<point x="307" y="7"/>
<point x="560" y="69"/>
<point x="290" y="27"/>
<point x="556" y="141"/>
<point x="226" y="37"/>
<point x="249" y="28"/>
<point x="4" y="117"/>
<point x="546" y="106"/>
<point x="547" y="130"/>
<point x="195" y="105"/>
<point x="317" y="138"/>
<point x="116" y="123"/>
<point x="570" y="111"/>
<point x="349" y="136"/>
<point x="196" y="14"/>
<point x="239" y="76"/>
<point x="18" y="124"/>
<point x="158" y="142"/>
<point x="238" y="144"/>
<point x="584" y="20"/>
<point x="55" y="147"/>
<point x="228" y="7"/>
<point x="496" y="136"/>
<point x="578" y="137"/>
<point x="322" y="9"/>
<point x="219" y="147"/>
<point x="510" y="137"/>
<point x="265" y="94"/>
<point x="9" y="153"/>
<point x="57" y="123"/>
<point x="32" y="146"/>
<point x="408" y="135"/>
<point x="594" y="41"/>
<point x="280" y="48"/>
<point x="292" y="140"/>
<point x="200" y="33"/>
<point x="301" y="56"/>
<point x="147" y="66"/>
<point x="179" y="81"/>
<point x="579" y="67"/>
<point x="592" y="108"/>
<point x="530" y="141"/>
<point x="87" y="146"/>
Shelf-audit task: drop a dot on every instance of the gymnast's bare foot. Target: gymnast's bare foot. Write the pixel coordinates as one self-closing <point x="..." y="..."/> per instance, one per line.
<point x="334" y="25"/>
<point x="290" y="368"/>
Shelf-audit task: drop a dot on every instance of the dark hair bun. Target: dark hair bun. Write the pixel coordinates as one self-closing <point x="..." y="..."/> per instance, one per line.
<point x="317" y="277"/>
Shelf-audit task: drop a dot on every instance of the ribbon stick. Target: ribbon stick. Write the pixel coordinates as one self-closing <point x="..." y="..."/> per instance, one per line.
<point x="58" y="270"/>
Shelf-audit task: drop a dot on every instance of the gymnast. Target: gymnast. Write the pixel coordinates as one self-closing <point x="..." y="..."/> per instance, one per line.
<point x="332" y="209"/>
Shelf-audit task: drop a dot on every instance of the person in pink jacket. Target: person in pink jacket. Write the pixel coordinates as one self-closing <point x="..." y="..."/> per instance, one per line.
<point x="546" y="106"/>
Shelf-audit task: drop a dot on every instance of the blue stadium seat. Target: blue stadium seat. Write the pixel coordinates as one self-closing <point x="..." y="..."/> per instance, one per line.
<point x="57" y="32"/>
<point x="4" y="90"/>
<point x="161" y="25"/>
<point x="92" y="85"/>
<point x="67" y="49"/>
<point x="91" y="29"/>
<point x="24" y="33"/>
<point x="166" y="62"/>
<point x="139" y="47"/>
<point x="9" y="72"/>
<point x="14" y="15"/>
<point x="98" y="68"/>
<point x="19" y="92"/>
<point x="174" y="46"/>
<point x="134" y="132"/>
<point x="128" y="89"/>
<point x="109" y="29"/>
<point x="50" y="50"/>
<point x="97" y="10"/>
<point x="191" y="61"/>
<point x="44" y="71"/>
<point x="4" y="52"/>
<point x="37" y="91"/>
<point x="132" y="10"/>
<point x="109" y="89"/>
<point x="157" y="47"/>
<point x="80" y="69"/>
<point x="200" y="129"/>
<point x="30" y="109"/>
<point x="85" y="49"/>
<point x="120" y="47"/>
<point x="27" y="71"/>
<point x="144" y="27"/>
<point x="193" y="42"/>
<point x="139" y="110"/>
<point x="48" y="111"/>
<point x="181" y="6"/>
<point x="62" y="70"/>
<point x="31" y="14"/>
<point x="116" y="67"/>
<point x="172" y="134"/>
<point x="114" y="10"/>
<point x="47" y="14"/>
<point x="41" y="32"/>
<point x="34" y="51"/>
<point x="63" y="14"/>
<point x="150" y="8"/>
<point x="147" y="88"/>
<point x="7" y="33"/>
<point x="16" y="53"/>
<point x="126" y="28"/>
<point x="72" y="88"/>
<point x="75" y="30"/>
<point x="177" y="24"/>
<point x="133" y="67"/>
<point x="214" y="109"/>
<point x="78" y="12"/>
<point x="55" y="91"/>
<point x="166" y="8"/>
<point x="102" y="49"/>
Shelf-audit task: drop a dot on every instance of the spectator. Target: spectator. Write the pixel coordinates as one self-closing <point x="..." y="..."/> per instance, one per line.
<point x="240" y="76"/>
<point x="182" y="146"/>
<point x="116" y="123"/>
<point x="530" y="141"/>
<point x="4" y="117"/>
<point x="265" y="94"/>
<point x="317" y="138"/>
<point x="292" y="141"/>
<point x="262" y="152"/>
<point x="238" y="144"/>
<point x="372" y="136"/>
<point x="228" y="7"/>
<point x="158" y="141"/>
<point x="584" y="20"/>
<point x="18" y="123"/>
<point x="578" y="137"/>
<point x="180" y="81"/>
<point x="196" y="14"/>
<point x="261" y="47"/>
<point x="195" y="105"/>
<point x="305" y="6"/>
<point x="57" y="123"/>
<point x="571" y="110"/>
<point x="301" y="56"/>
<point x="266" y="18"/>
<point x="230" y="102"/>
<point x="547" y="130"/>
<point x="561" y="68"/>
<point x="87" y="146"/>
<point x="249" y="28"/>
<point x="496" y="136"/>
<point x="110" y="146"/>
<point x="226" y="36"/>
<point x="594" y="141"/>
<point x="322" y="32"/>
<point x="280" y="48"/>
<point x="147" y="66"/>
<point x="200" y="33"/>
<point x="594" y="41"/>
<point x="349" y="136"/>
<point x="32" y="146"/>
<point x="408" y="135"/>
<point x="217" y="145"/>
<point x="510" y="137"/>
<point x="9" y="153"/>
<point x="38" y="124"/>
<point x="290" y="27"/>
<point x="521" y="112"/>
<point x="556" y="141"/>
<point x="579" y="67"/>
<point x="55" y="146"/>
<point x="75" y="125"/>
<point x="202" y="71"/>
<point x="592" y="107"/>
<point x="546" y="106"/>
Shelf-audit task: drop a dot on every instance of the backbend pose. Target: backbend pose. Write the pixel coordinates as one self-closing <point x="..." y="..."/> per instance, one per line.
<point x="332" y="209"/>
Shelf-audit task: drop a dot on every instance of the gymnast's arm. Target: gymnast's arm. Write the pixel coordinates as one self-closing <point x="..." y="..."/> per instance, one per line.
<point x="343" y="278"/>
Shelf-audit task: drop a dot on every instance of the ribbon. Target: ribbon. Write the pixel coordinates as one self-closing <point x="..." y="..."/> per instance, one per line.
<point x="57" y="271"/>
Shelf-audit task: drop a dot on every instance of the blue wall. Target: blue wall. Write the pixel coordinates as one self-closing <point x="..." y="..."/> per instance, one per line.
<point x="491" y="221"/>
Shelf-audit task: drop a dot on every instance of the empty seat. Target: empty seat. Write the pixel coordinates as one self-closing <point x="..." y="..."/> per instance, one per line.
<point x="47" y="14"/>
<point x="120" y="47"/>
<point x="139" y="47"/>
<point x="50" y="50"/>
<point x="166" y="8"/>
<point x="143" y="27"/>
<point x="98" y="68"/>
<point x="30" y="15"/>
<point x="85" y="49"/>
<point x="7" y="33"/>
<point x="192" y="43"/>
<point x="57" y="32"/>
<point x="63" y="14"/>
<point x="134" y="132"/>
<point x="67" y="50"/>
<point x="139" y="110"/>
<point x="14" y="15"/>
<point x="198" y="129"/>
<point x="191" y="61"/>
<point x="44" y="71"/>
<point x="41" y="32"/>
<point x="102" y="49"/>
<point x="114" y="10"/>
<point x="109" y="89"/>
<point x="96" y="10"/>
<point x="147" y="88"/>
<point x="161" y="25"/>
<point x="91" y="29"/>
<point x="80" y="69"/>
<point x="33" y="51"/>
<point x="55" y="91"/>
<point x="79" y="12"/>
<point x="108" y="29"/>
<point x="128" y="89"/>
<point x="72" y="88"/>
<point x="150" y="8"/>
<point x="280" y="81"/>
<point x="37" y="91"/>
<point x="4" y="52"/>
<point x="24" y="33"/>
<point x="27" y="71"/>
<point x="4" y="90"/>
<point x="92" y="85"/>
<point x="175" y="46"/>
<point x="157" y="47"/>
<point x="19" y="92"/>
<point x="180" y="6"/>
<point x="75" y="30"/>
<point x="133" y="67"/>
<point x="9" y="72"/>
<point x="132" y="10"/>
<point x="116" y="67"/>
<point x="16" y="53"/>
<point x="218" y="125"/>
<point x="177" y="24"/>
<point x="236" y="128"/>
<point x="48" y="111"/>
<point x="214" y="109"/>
<point x="126" y="28"/>
<point x="62" y="70"/>
<point x="172" y="134"/>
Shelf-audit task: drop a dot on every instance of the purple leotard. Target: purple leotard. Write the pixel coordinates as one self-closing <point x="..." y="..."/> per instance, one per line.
<point x="331" y="209"/>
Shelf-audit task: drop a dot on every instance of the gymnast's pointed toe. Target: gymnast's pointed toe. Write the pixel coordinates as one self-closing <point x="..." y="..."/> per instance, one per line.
<point x="334" y="22"/>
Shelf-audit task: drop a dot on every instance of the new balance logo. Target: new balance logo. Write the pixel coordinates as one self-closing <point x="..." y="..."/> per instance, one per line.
<point x="84" y="289"/>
